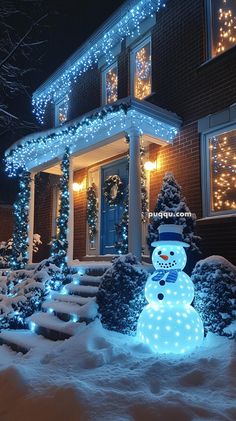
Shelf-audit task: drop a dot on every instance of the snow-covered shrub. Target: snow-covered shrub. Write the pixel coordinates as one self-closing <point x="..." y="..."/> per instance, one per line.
<point x="22" y="293"/>
<point x="6" y="250"/>
<point x="171" y="200"/>
<point x="214" y="280"/>
<point x="121" y="294"/>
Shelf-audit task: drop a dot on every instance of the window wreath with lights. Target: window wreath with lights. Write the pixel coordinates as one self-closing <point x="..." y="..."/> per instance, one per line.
<point x="92" y="211"/>
<point x="113" y="190"/>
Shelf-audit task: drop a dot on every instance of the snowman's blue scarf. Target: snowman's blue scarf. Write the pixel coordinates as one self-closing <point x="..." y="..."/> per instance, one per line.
<point x="172" y="275"/>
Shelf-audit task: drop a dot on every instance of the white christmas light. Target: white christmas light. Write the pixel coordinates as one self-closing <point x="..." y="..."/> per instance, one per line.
<point x="128" y="25"/>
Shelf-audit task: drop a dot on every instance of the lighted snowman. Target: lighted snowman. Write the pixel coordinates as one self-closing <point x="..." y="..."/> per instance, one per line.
<point x="169" y="324"/>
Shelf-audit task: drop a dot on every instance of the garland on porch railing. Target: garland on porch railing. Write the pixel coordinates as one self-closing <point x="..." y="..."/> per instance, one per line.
<point x="21" y="220"/>
<point x="92" y="212"/>
<point x="59" y="245"/>
<point x="122" y="228"/>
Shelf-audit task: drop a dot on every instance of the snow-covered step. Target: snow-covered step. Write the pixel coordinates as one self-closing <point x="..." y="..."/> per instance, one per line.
<point x="23" y="340"/>
<point x="82" y="290"/>
<point x="51" y="327"/>
<point x="90" y="280"/>
<point x="70" y="311"/>
<point x="68" y="298"/>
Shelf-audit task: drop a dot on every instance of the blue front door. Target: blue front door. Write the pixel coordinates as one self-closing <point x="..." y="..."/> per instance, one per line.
<point x="112" y="214"/>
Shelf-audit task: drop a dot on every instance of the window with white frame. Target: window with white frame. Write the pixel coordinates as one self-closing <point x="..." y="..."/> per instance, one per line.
<point x="61" y="111"/>
<point x="221" y="26"/>
<point x="110" y="84"/>
<point x="221" y="152"/>
<point x="141" y="69"/>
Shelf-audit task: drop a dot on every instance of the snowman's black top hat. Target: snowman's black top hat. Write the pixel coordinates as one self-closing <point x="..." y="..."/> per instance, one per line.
<point x="170" y="234"/>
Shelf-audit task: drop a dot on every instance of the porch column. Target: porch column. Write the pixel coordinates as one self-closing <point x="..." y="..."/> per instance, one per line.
<point x="135" y="230"/>
<point x="70" y="232"/>
<point x="31" y="217"/>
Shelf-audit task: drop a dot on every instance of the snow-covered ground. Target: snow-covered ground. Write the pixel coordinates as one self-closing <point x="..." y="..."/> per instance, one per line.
<point x="100" y="375"/>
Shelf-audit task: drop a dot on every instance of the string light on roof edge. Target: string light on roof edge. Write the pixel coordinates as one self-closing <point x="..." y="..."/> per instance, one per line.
<point x="129" y="25"/>
<point x="37" y="149"/>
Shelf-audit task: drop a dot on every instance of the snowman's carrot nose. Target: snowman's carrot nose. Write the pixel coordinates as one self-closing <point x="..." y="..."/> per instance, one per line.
<point x="164" y="257"/>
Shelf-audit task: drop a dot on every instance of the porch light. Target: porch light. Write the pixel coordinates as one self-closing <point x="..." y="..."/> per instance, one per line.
<point x="78" y="187"/>
<point x="151" y="166"/>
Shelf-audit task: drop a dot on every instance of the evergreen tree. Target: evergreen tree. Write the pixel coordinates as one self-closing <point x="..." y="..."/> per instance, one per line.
<point x="214" y="280"/>
<point x="121" y="294"/>
<point x="170" y="202"/>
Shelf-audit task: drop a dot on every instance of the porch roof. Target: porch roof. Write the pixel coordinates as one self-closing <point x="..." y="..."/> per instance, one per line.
<point x="100" y="126"/>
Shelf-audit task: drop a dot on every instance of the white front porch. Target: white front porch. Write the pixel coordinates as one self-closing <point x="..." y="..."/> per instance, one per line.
<point x="98" y="137"/>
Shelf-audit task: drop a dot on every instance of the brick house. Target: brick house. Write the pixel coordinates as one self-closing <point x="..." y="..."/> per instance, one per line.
<point x="164" y="75"/>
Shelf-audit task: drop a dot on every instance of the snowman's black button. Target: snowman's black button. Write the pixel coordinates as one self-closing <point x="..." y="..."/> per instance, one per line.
<point x="160" y="296"/>
<point x="162" y="282"/>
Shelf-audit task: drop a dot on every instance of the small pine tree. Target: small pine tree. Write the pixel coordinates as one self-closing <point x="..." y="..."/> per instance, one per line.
<point x="121" y="295"/>
<point x="171" y="200"/>
<point x="214" y="279"/>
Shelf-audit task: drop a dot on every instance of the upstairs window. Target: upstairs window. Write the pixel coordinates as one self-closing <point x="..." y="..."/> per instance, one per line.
<point x="223" y="25"/>
<point x="141" y="70"/>
<point x="222" y="171"/>
<point x="61" y="112"/>
<point x="110" y="84"/>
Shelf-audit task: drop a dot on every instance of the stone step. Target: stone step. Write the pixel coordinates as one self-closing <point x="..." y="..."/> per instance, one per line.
<point x="82" y="290"/>
<point x="71" y="311"/>
<point x="90" y="280"/>
<point x="68" y="298"/>
<point x="23" y="340"/>
<point x="51" y="327"/>
<point x="92" y="268"/>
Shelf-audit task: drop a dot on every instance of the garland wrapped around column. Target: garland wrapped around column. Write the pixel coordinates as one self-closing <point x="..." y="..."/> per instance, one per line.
<point x="60" y="244"/>
<point x="122" y="228"/>
<point x="92" y="212"/>
<point x="21" y="220"/>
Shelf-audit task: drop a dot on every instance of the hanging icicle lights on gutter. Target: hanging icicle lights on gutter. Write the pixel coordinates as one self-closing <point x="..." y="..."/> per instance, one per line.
<point x="39" y="148"/>
<point x="128" y="25"/>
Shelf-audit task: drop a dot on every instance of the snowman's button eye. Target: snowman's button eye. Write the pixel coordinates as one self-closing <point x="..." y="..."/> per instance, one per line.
<point x="162" y="282"/>
<point x="160" y="296"/>
<point x="172" y="253"/>
<point x="159" y="252"/>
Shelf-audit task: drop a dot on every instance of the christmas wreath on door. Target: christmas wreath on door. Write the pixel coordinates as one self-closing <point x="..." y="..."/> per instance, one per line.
<point x="113" y="190"/>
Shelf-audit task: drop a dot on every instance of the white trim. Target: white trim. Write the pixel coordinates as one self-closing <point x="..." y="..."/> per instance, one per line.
<point x="147" y="39"/>
<point x="205" y="170"/>
<point x="104" y="73"/>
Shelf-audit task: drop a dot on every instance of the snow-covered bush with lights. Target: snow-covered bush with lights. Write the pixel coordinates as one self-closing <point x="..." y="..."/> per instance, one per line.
<point x="6" y="250"/>
<point x="214" y="280"/>
<point x="22" y="293"/>
<point x="121" y="294"/>
<point x="170" y="200"/>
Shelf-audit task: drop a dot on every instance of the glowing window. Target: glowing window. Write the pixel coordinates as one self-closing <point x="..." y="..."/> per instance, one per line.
<point x="142" y="70"/>
<point x="110" y="84"/>
<point x="223" y="25"/>
<point x="61" y="112"/>
<point x="222" y="157"/>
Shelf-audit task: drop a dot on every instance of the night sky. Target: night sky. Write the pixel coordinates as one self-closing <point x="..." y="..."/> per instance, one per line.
<point x="68" y="24"/>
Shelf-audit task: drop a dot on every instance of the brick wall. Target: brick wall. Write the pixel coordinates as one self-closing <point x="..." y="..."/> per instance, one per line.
<point x="6" y="222"/>
<point x="80" y="200"/>
<point x="183" y="159"/>
<point x="43" y="213"/>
